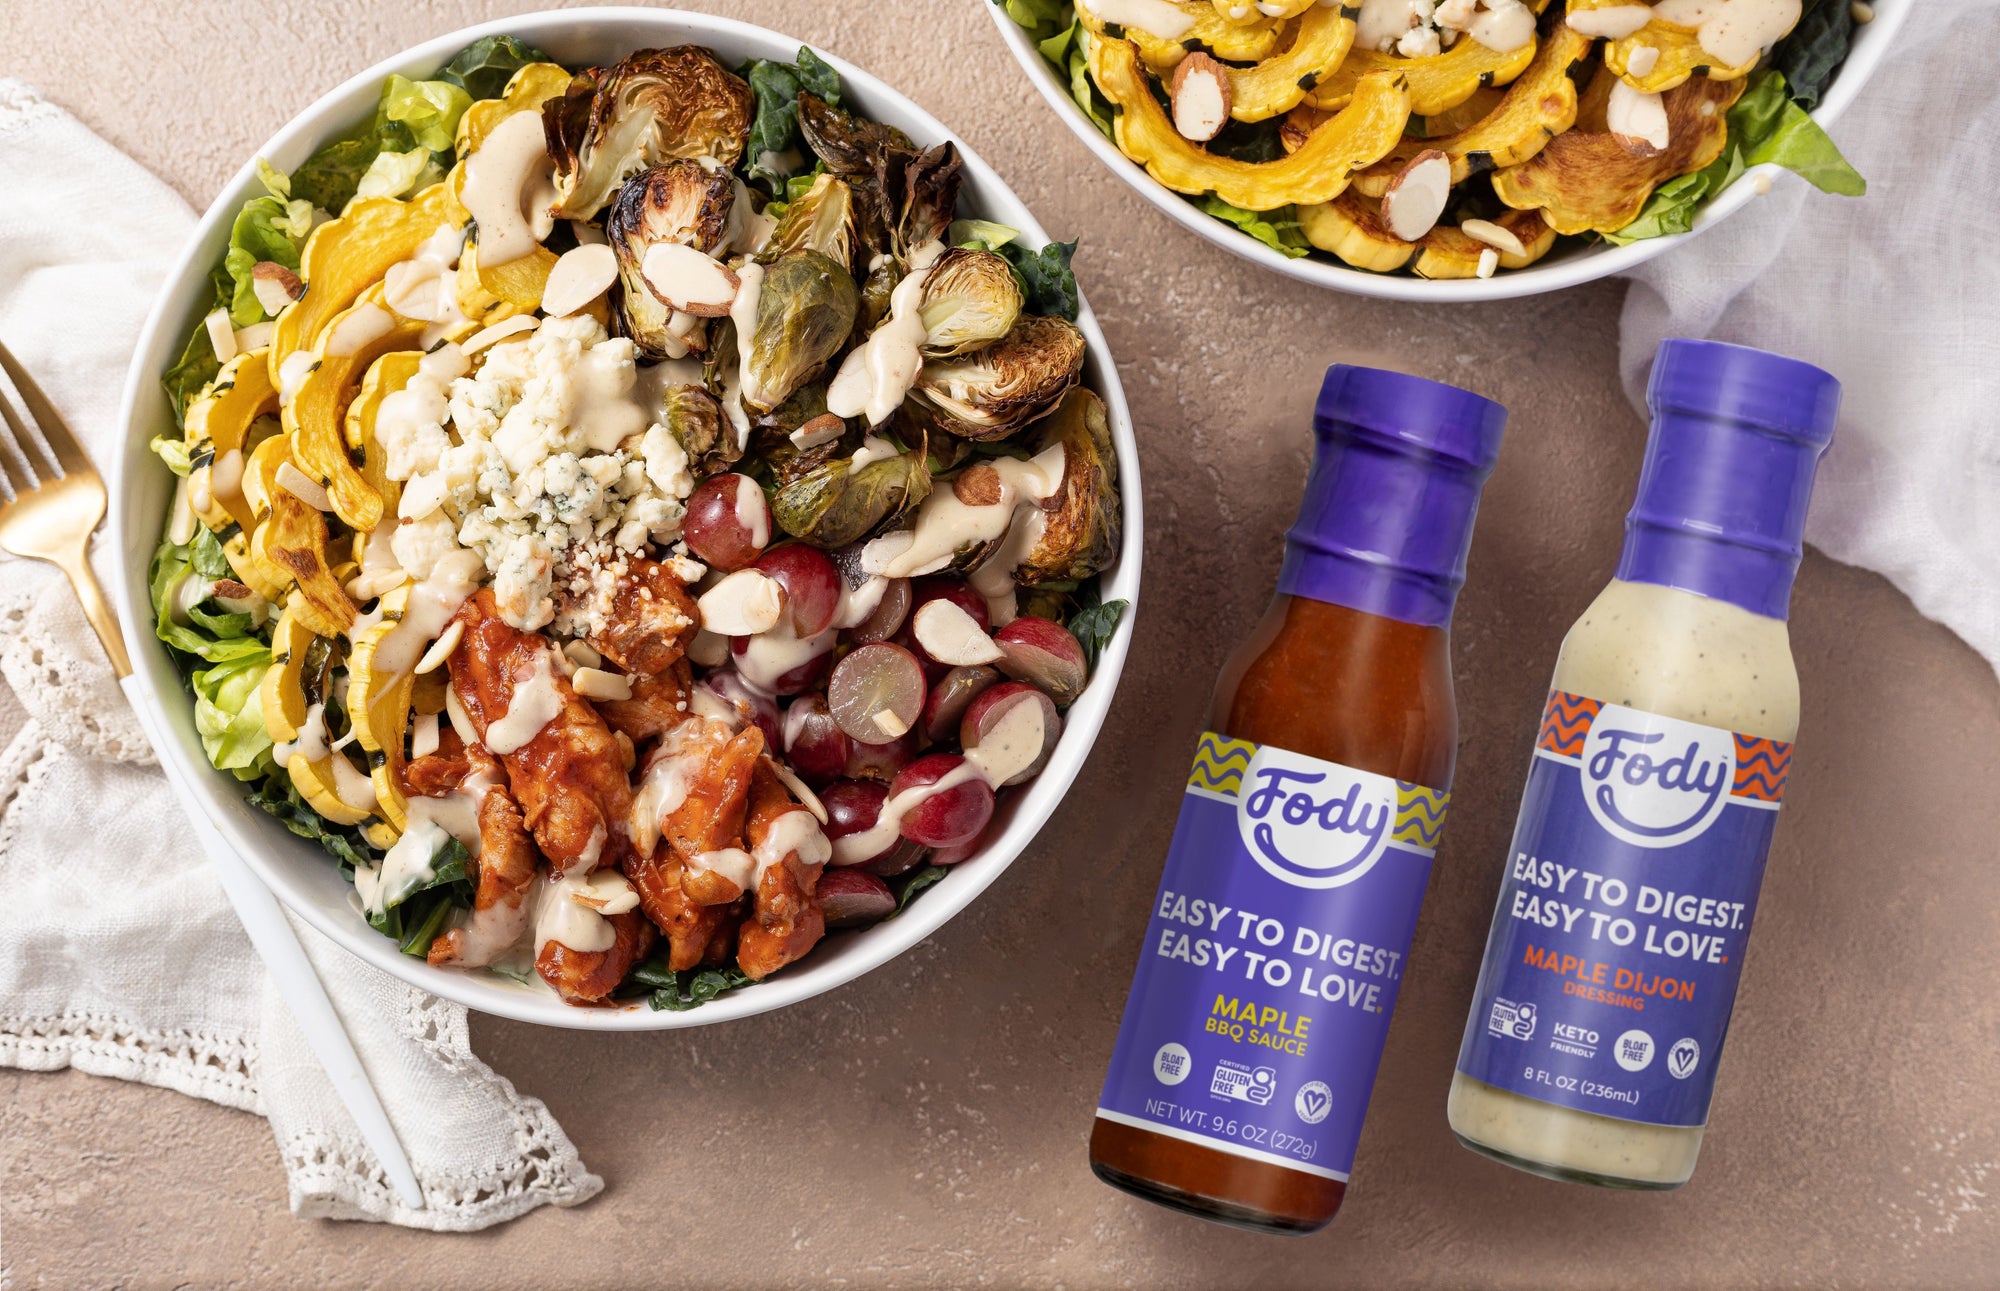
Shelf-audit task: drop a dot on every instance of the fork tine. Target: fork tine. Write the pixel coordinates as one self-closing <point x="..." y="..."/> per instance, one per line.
<point x="55" y="431"/>
<point x="14" y="460"/>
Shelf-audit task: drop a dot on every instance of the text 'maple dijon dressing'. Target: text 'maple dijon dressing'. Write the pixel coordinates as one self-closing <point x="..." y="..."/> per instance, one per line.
<point x="1282" y="928"/>
<point x="1591" y="1049"/>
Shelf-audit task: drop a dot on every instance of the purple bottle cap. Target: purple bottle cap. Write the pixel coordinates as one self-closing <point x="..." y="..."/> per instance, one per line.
<point x="1395" y="483"/>
<point x="1736" y="438"/>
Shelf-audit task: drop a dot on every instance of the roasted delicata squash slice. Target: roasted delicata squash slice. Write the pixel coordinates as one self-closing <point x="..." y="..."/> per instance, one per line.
<point x="1318" y="172"/>
<point x="385" y="376"/>
<point x="1241" y="12"/>
<point x="378" y="705"/>
<point x="281" y="693"/>
<point x="1680" y="57"/>
<point x="1350" y="227"/>
<point x="1536" y="108"/>
<point x="333" y="787"/>
<point x="484" y="307"/>
<point x="290" y="541"/>
<point x="344" y="256"/>
<point x="1589" y="182"/>
<point x="1280" y="83"/>
<point x="217" y="431"/>
<point x="317" y="415"/>
<point x="1250" y="41"/>
<point x="1449" y="252"/>
<point x="1439" y="125"/>
<point x="1438" y="83"/>
<point x="519" y="282"/>
<point x="529" y="88"/>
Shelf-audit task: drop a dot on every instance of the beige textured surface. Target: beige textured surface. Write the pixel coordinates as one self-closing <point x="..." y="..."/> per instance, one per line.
<point x="926" y="1125"/>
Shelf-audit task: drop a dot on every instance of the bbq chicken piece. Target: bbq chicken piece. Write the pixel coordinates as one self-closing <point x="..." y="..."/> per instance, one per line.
<point x="565" y="767"/>
<point x="789" y="849"/>
<point x="436" y="774"/>
<point x="587" y="976"/>
<point x="505" y="870"/>
<point x="652" y="620"/>
<point x="659" y="703"/>
<point x="687" y="828"/>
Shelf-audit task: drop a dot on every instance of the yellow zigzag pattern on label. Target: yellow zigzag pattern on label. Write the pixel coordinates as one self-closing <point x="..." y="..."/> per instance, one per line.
<point x="1419" y="815"/>
<point x="1219" y="763"/>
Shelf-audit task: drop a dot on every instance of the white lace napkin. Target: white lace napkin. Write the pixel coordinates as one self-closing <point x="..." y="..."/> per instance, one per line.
<point x="119" y="955"/>
<point x="1898" y="295"/>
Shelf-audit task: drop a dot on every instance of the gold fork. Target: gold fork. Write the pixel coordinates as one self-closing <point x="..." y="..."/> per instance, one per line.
<point x="53" y="500"/>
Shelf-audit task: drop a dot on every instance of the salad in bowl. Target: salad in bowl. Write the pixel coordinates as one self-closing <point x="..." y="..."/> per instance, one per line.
<point x="631" y="517"/>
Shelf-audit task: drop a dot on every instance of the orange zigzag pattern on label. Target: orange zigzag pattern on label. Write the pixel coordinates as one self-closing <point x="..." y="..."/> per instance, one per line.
<point x="1565" y="722"/>
<point x="1761" y="768"/>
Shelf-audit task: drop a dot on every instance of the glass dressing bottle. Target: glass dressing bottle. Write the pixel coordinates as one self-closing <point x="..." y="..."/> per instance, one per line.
<point x="1618" y="939"/>
<point x="1284" y="919"/>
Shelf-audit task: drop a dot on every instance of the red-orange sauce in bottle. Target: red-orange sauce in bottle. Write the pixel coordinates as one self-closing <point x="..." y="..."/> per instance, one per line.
<point x="1282" y="928"/>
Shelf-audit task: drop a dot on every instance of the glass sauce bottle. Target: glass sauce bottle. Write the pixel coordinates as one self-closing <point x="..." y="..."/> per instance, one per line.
<point x="1284" y="919"/>
<point x="1618" y="938"/>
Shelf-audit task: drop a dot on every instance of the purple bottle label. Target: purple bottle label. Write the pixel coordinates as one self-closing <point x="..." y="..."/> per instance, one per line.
<point x="1618" y="940"/>
<point x="1273" y="956"/>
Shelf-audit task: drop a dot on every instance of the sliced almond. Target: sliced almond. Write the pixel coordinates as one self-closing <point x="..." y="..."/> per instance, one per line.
<point x="1493" y="235"/>
<point x="1201" y="98"/>
<point x="441" y="649"/>
<point x="1416" y="197"/>
<point x="583" y="654"/>
<point x="742" y="605"/>
<point x="1489" y="260"/>
<point x="221" y="336"/>
<point x="579" y="276"/>
<point x="1638" y="120"/>
<point x="274" y="286"/>
<point x="303" y="487"/>
<point x="819" y="430"/>
<point x="424" y="735"/>
<point x="709" y="649"/>
<point x="805" y="795"/>
<point x="688" y="280"/>
<point x="254" y="337"/>
<point x="1613" y="22"/>
<point x="500" y="331"/>
<point x="951" y="636"/>
<point x="596" y="683"/>
<point x="1642" y="60"/>
<point x="889" y="724"/>
<point x="977" y="486"/>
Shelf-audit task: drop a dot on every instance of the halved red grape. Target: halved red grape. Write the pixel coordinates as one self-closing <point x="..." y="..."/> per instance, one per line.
<point x="852" y="809"/>
<point x="749" y="704"/>
<point x="812" y="585"/>
<point x="995" y="726"/>
<point x="883" y="621"/>
<point x="942" y="801"/>
<point x="950" y="698"/>
<point x="1043" y="653"/>
<point x="850" y="898"/>
<point x="728" y="521"/>
<point x="815" y="746"/>
<point x="877" y="692"/>
<point x="880" y="761"/>
<point x="779" y="662"/>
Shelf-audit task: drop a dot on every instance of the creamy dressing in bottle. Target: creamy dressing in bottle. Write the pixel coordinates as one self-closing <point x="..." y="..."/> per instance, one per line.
<point x="1591" y="1050"/>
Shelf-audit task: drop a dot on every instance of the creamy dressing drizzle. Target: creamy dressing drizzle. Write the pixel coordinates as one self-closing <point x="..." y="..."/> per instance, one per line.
<point x="534" y="704"/>
<point x="743" y="316"/>
<point x="1732" y="31"/>
<point x="358" y="327"/>
<point x="510" y="170"/>
<point x="425" y="287"/>
<point x="877" y="375"/>
<point x="945" y="524"/>
<point x="752" y="512"/>
<point x="572" y="909"/>
<point x="1154" y="17"/>
<point x="1010" y="747"/>
<point x="292" y="374"/>
<point x="768" y="656"/>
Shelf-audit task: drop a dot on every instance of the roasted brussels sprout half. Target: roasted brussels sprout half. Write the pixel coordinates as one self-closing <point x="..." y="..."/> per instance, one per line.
<point x="805" y="311"/>
<point x="849" y="145"/>
<point x="971" y="299"/>
<point x="694" y="418"/>
<point x="654" y="106"/>
<point x="903" y="197"/>
<point x="822" y="221"/>
<point x="1081" y="525"/>
<point x="929" y="196"/>
<point x="877" y="291"/>
<point x="834" y="504"/>
<point x="678" y="201"/>
<point x="994" y="392"/>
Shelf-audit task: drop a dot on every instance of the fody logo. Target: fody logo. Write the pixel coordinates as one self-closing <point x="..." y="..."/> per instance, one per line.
<point x="1314" y="824"/>
<point x="1656" y="781"/>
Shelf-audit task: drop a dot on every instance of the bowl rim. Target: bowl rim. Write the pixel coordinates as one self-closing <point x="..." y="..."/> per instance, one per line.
<point x="1871" y="44"/>
<point x="299" y="877"/>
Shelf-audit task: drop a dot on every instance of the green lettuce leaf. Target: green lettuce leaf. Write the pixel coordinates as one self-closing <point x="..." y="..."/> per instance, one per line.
<point x="409" y="115"/>
<point x="272" y="227"/>
<point x="210" y="632"/>
<point x="394" y="174"/>
<point x="329" y="177"/>
<point x="1047" y="283"/>
<point x="229" y="718"/>
<point x="196" y="367"/>
<point x="428" y="109"/>
<point x="1764" y="126"/>
<point x="278" y="797"/>
<point x="1277" y="229"/>
<point x="1064" y="51"/>
<point x="980" y="235"/>
<point x="774" y="150"/>
<point x="174" y="452"/>
<point x="1815" y="49"/>
<point x="483" y="68"/>
<point x="1042" y="17"/>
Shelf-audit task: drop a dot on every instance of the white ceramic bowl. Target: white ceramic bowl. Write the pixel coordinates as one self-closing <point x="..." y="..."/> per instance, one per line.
<point x="303" y="876"/>
<point x="1568" y="265"/>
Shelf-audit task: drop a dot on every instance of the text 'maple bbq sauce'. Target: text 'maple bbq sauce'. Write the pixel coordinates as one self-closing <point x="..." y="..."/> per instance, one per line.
<point x="1659" y="766"/>
<point x="1281" y="931"/>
